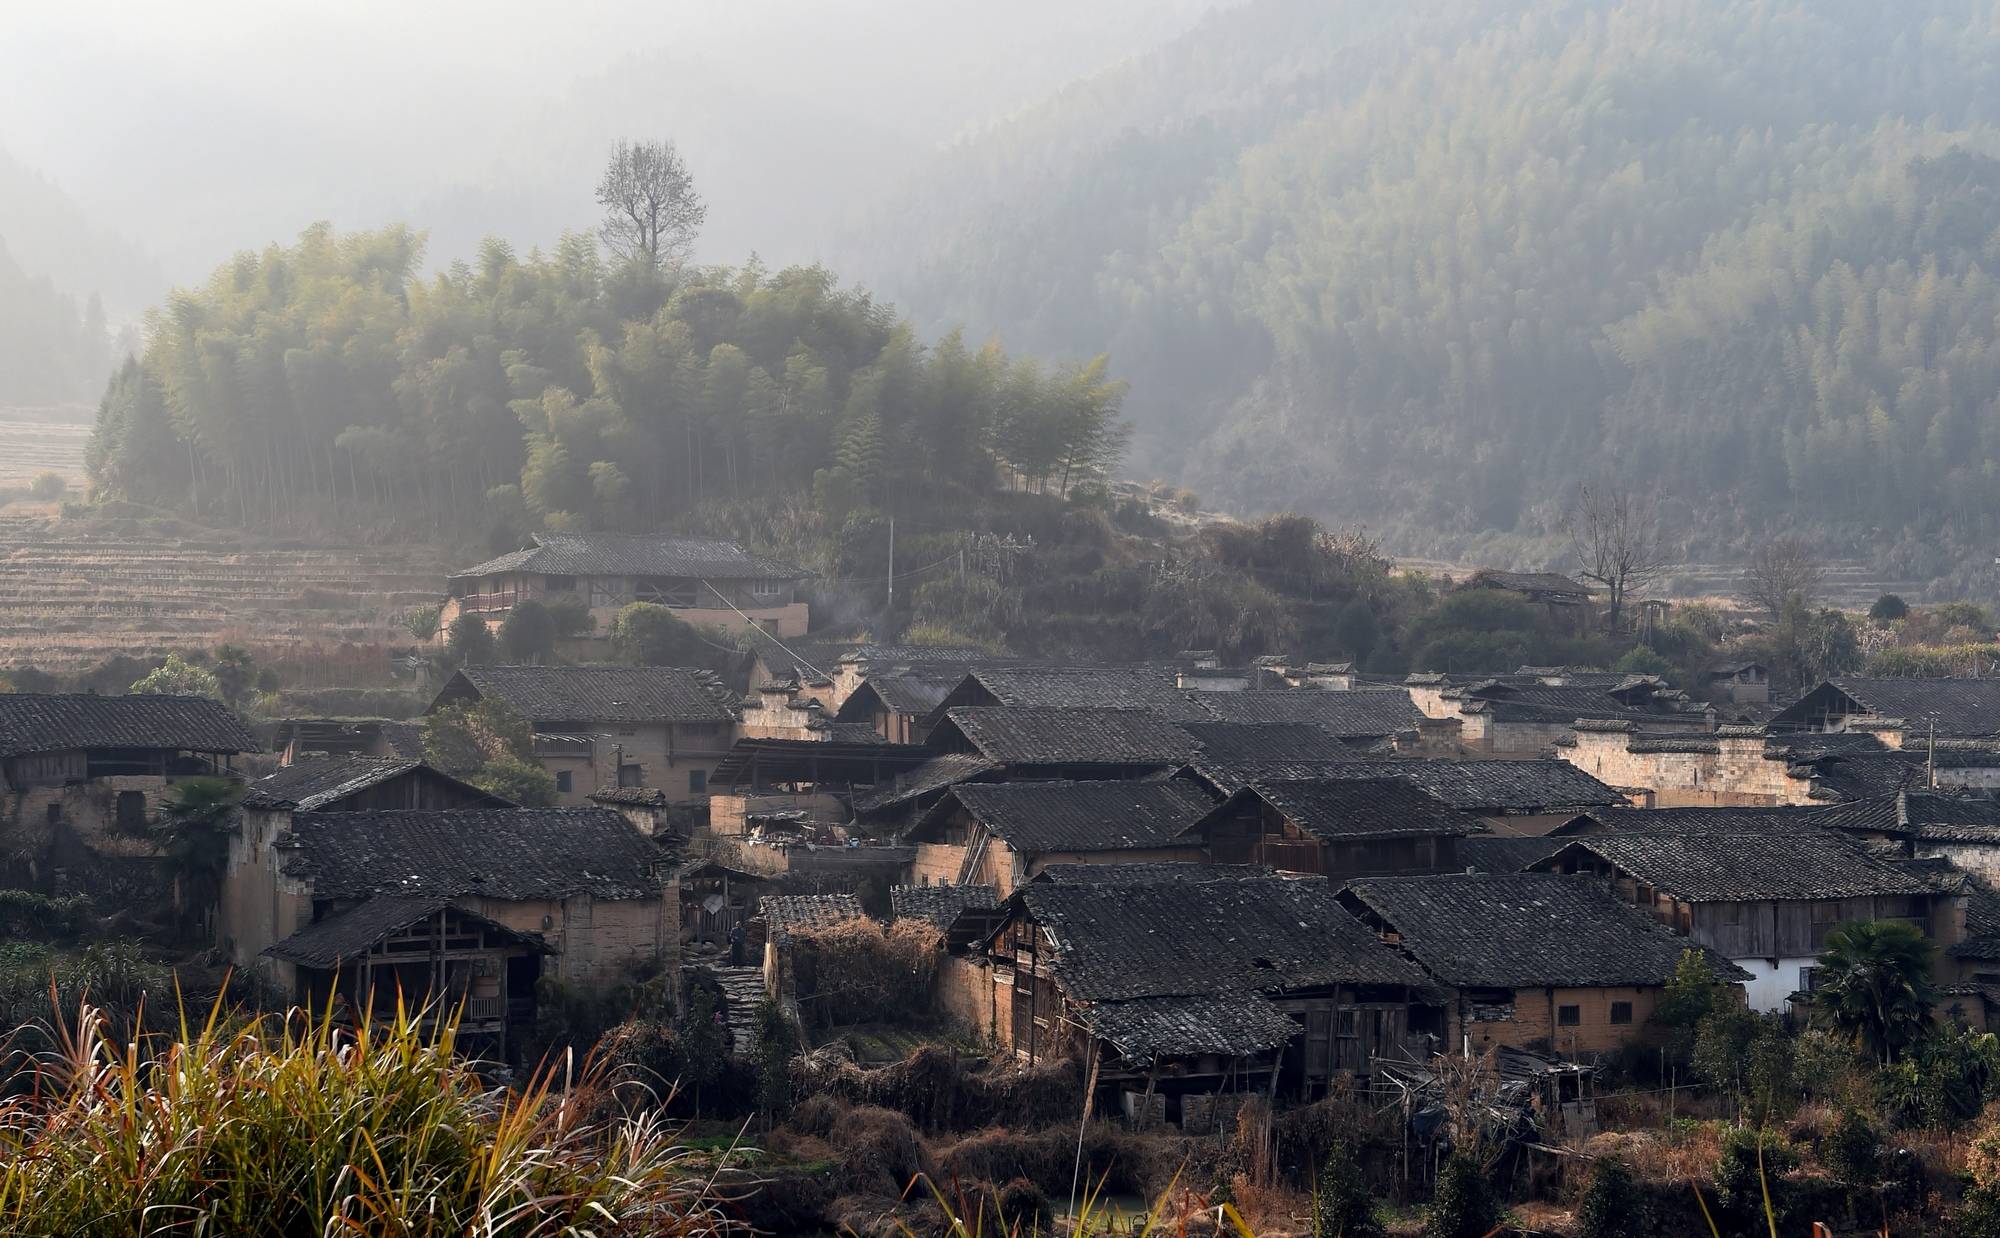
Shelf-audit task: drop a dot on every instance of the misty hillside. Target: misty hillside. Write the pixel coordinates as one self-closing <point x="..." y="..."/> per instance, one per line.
<point x="1430" y="266"/>
<point x="55" y="237"/>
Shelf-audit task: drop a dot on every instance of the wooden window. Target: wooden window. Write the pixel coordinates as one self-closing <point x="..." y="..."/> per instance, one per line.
<point x="631" y="776"/>
<point x="1621" y="1012"/>
<point x="1569" y="1016"/>
<point x="697" y="781"/>
<point x="131" y="810"/>
<point x="563" y="781"/>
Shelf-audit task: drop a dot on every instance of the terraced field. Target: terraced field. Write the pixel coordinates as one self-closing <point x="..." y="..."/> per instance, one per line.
<point x="71" y="595"/>
<point x="34" y="441"/>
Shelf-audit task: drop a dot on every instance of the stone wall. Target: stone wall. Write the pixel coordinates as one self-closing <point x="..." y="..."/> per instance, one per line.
<point x="1535" y="1021"/>
<point x="968" y="995"/>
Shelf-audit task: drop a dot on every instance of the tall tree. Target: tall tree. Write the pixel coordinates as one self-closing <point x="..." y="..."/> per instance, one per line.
<point x="1616" y="540"/>
<point x="1874" y="984"/>
<point x="1782" y="577"/>
<point x="652" y="212"/>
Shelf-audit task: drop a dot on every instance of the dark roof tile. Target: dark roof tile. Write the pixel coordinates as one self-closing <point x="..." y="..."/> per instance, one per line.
<point x="1080" y="816"/>
<point x="1363" y="808"/>
<point x="502" y="853"/>
<point x="1015" y="735"/>
<point x="52" y="722"/>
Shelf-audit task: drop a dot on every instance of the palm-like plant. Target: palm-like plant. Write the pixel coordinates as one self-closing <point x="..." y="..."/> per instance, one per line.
<point x="197" y="819"/>
<point x="1874" y="984"/>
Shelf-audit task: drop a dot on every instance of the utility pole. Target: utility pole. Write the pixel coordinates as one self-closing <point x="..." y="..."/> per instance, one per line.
<point x="892" y="564"/>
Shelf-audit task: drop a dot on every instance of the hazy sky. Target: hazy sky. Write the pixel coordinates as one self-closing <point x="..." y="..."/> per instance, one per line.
<point x="198" y="127"/>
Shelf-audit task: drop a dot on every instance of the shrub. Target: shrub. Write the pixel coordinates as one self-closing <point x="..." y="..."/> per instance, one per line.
<point x="1342" y="1207"/>
<point x="646" y="634"/>
<point x="1639" y="660"/>
<point x="1888" y="608"/>
<point x="1853" y="1150"/>
<point x="422" y="622"/>
<point x="528" y="634"/>
<point x="48" y="486"/>
<point x="470" y="642"/>
<point x="176" y="677"/>
<point x="571" y="614"/>
<point x="777" y="1044"/>
<point x="857" y="972"/>
<point x="1752" y="1163"/>
<point x="1463" y="1205"/>
<point x="1612" y="1206"/>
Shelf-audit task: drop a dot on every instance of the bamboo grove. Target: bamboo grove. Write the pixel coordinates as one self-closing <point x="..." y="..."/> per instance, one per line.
<point x="329" y="383"/>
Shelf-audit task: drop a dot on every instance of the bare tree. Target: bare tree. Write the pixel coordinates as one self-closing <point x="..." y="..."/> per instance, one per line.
<point x="651" y="209"/>
<point x="1616" y="540"/>
<point x="1782" y="577"/>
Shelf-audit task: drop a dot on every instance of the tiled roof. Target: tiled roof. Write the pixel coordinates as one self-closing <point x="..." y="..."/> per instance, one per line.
<point x="1505" y="853"/>
<point x="1750" y="867"/>
<point x="1146" y="1027"/>
<point x="1149" y="688"/>
<point x="939" y="905"/>
<point x="1081" y="816"/>
<point x="1263" y="742"/>
<point x="1860" y="775"/>
<point x="915" y="691"/>
<point x="349" y="934"/>
<point x="312" y="783"/>
<point x="52" y="722"/>
<point x="1485" y="786"/>
<point x="1015" y="735"/>
<point x="947" y="769"/>
<point x="626" y="554"/>
<point x="1206" y="939"/>
<point x="641" y="797"/>
<point x="1147" y="874"/>
<point x="501" y="853"/>
<point x="1521" y="930"/>
<point x="1781" y="820"/>
<point x="1958" y="707"/>
<point x="1363" y="808"/>
<point x="783" y="913"/>
<point x="640" y="694"/>
<point x="1343" y="715"/>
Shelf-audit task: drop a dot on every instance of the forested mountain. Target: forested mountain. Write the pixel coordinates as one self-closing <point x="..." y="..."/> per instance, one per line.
<point x="55" y="237"/>
<point x="1431" y="265"/>
<point x="52" y="350"/>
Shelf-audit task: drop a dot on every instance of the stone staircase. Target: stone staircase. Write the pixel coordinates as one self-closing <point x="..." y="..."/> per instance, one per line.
<point x="742" y="993"/>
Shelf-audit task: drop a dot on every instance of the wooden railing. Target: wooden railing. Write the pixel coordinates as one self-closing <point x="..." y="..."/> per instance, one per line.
<point x="487" y="603"/>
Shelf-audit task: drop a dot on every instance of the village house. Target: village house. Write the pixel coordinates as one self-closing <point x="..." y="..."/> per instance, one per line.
<point x="1336" y="828"/>
<point x="1763" y="900"/>
<point x="1168" y="992"/>
<point x="1509" y="797"/>
<point x="781" y="915"/>
<point x="1369" y="720"/>
<point x="708" y="583"/>
<point x="831" y="671"/>
<point x="1739" y="683"/>
<point x="1746" y="766"/>
<point x="1081" y="744"/>
<point x="468" y="907"/>
<point x="893" y="807"/>
<point x="82" y="776"/>
<point x="600" y="727"/>
<point x="1530" y="960"/>
<point x="1003" y="834"/>
<point x="1901" y="711"/>
<point x="1551" y="589"/>
<point x="1150" y="689"/>
<point x="362" y="784"/>
<point x="298" y="738"/>
<point x="898" y="704"/>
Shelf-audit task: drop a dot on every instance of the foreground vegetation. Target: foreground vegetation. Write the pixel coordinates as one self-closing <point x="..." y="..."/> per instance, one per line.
<point x="283" y="1126"/>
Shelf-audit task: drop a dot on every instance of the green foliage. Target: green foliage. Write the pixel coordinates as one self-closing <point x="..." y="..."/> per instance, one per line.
<point x="490" y="746"/>
<point x="1462" y="1205"/>
<point x="646" y="634"/>
<point x="1874" y="984"/>
<point x="570" y="614"/>
<point x="1640" y="660"/>
<point x="1964" y="615"/>
<point x="703" y="1040"/>
<point x="1888" y="608"/>
<point x="28" y="916"/>
<point x="197" y="821"/>
<point x="176" y="677"/>
<point x="777" y="1044"/>
<point x="1612" y="1206"/>
<point x="1688" y="999"/>
<point x="236" y="673"/>
<point x="422" y="621"/>
<point x="1749" y="1057"/>
<point x="511" y="778"/>
<point x="1853" y="1150"/>
<point x="309" y="1128"/>
<point x="570" y="394"/>
<point x="1944" y="1079"/>
<point x="1752" y="1163"/>
<point x="1342" y="1207"/>
<point x="469" y="642"/>
<point x="1358" y="631"/>
<point x="528" y="634"/>
<point x="48" y="486"/>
